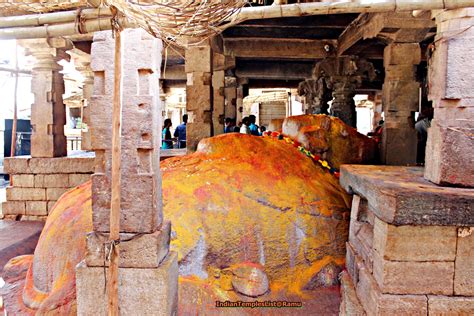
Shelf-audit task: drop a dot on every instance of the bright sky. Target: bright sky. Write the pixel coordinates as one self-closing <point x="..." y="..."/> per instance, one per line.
<point x="7" y="83"/>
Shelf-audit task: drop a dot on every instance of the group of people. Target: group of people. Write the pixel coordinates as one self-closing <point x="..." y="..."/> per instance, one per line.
<point x="179" y="134"/>
<point x="247" y="126"/>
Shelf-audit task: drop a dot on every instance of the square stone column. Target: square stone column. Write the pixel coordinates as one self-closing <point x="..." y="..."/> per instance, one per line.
<point x="199" y="94"/>
<point x="450" y="148"/>
<point x="148" y="272"/>
<point x="48" y="113"/>
<point x="400" y="101"/>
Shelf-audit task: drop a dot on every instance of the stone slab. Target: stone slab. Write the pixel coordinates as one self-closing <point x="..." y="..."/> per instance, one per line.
<point x="451" y="154"/>
<point x="446" y="305"/>
<point x="350" y="304"/>
<point x="18" y="238"/>
<point x="401" y="196"/>
<point x="152" y="291"/>
<point x="13" y="208"/>
<point x="138" y="215"/>
<point x="405" y="277"/>
<point x="414" y="243"/>
<point x="78" y="162"/>
<point x="53" y="194"/>
<point x="376" y="303"/>
<point x="464" y="264"/>
<point x="23" y="180"/>
<point x="36" y="208"/>
<point x="136" y="250"/>
<point x="26" y="194"/>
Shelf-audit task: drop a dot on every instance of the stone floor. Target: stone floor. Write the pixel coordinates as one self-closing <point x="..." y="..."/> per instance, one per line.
<point x="18" y="238"/>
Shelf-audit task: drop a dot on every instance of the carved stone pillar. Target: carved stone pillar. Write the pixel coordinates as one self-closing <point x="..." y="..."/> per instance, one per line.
<point x="230" y="97"/>
<point x="148" y="271"/>
<point x="316" y="95"/>
<point x="343" y="76"/>
<point x="199" y="94"/>
<point x="82" y="62"/>
<point x="48" y="115"/>
<point x="343" y="105"/>
<point x="450" y="148"/>
<point x="400" y="101"/>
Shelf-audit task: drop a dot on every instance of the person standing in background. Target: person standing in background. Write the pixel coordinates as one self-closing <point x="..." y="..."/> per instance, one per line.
<point x="252" y="126"/>
<point x="245" y="126"/>
<point x="167" y="142"/>
<point x="180" y="132"/>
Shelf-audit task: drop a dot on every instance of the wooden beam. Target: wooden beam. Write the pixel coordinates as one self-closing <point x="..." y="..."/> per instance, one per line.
<point x="278" y="48"/>
<point x="114" y="236"/>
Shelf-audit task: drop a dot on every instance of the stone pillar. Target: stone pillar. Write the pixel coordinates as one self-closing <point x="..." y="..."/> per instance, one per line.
<point x="400" y="101"/>
<point x="199" y="94"/>
<point x="343" y="92"/>
<point x="230" y="96"/>
<point x="83" y="65"/>
<point x="48" y="113"/>
<point x="450" y="148"/>
<point x="218" y="97"/>
<point x="316" y="95"/>
<point x="148" y="272"/>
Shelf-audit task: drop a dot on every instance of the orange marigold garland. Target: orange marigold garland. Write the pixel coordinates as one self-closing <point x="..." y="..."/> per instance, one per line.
<point x="316" y="158"/>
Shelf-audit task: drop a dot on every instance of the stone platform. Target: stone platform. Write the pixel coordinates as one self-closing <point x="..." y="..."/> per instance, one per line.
<point x="18" y="238"/>
<point x="411" y="243"/>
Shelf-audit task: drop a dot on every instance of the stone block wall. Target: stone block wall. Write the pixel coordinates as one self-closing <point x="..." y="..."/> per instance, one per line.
<point x="37" y="183"/>
<point x="410" y="254"/>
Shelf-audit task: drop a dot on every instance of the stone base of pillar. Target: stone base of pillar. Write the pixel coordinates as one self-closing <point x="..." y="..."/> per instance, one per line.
<point x="448" y="150"/>
<point x="150" y="291"/>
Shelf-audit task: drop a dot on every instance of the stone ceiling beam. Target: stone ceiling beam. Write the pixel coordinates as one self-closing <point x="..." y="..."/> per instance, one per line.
<point x="391" y="27"/>
<point x="278" y="48"/>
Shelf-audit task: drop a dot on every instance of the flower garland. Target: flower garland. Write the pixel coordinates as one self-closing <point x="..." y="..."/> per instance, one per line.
<point x="316" y="158"/>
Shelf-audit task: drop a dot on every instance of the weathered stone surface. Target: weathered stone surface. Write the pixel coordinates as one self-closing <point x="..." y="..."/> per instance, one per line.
<point x="376" y="303"/>
<point x="405" y="277"/>
<point x="82" y="162"/>
<point x="141" y="126"/>
<point x="53" y="194"/>
<point x="51" y="205"/>
<point x="136" y="251"/>
<point x="401" y="196"/>
<point x="414" y="243"/>
<point x="152" y="291"/>
<point x="25" y="194"/>
<point x="449" y="305"/>
<point x="78" y="179"/>
<point x="450" y="152"/>
<point x="23" y="180"/>
<point x="56" y="180"/>
<point x="16" y="165"/>
<point x="450" y="145"/>
<point x="327" y="136"/>
<point x="61" y="165"/>
<point x="464" y="267"/>
<point x="350" y="304"/>
<point x="250" y="279"/>
<point x="137" y="215"/>
<point x="37" y="208"/>
<point x="13" y="208"/>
